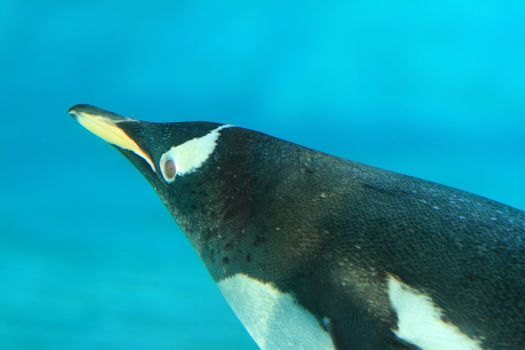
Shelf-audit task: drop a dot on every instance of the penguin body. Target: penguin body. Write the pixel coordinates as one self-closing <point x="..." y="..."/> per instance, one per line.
<point x="317" y="252"/>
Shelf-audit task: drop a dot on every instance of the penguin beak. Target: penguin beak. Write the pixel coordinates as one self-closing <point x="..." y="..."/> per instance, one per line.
<point x="105" y="125"/>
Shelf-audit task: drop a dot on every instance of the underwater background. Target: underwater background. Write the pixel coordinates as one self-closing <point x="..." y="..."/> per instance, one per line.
<point x="90" y="258"/>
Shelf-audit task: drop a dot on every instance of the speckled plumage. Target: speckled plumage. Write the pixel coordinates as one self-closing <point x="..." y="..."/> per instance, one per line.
<point x="330" y="232"/>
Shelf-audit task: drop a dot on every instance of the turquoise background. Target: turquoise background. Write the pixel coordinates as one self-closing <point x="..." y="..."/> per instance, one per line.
<point x="90" y="259"/>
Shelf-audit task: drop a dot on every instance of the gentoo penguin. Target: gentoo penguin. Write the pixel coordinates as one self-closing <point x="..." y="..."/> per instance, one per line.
<point x="316" y="252"/>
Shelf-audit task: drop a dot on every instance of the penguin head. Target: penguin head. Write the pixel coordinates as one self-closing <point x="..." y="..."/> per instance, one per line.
<point x="152" y="147"/>
<point x="227" y="187"/>
<point x="191" y="165"/>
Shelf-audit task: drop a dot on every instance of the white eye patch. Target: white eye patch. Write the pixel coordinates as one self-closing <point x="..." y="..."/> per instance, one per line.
<point x="190" y="155"/>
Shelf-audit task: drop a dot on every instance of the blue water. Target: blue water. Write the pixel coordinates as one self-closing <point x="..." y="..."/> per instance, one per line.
<point x="89" y="258"/>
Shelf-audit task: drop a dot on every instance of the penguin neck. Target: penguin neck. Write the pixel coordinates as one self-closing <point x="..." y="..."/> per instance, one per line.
<point x="221" y="208"/>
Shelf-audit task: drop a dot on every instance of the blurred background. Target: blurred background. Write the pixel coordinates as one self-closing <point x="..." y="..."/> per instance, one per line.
<point x="89" y="257"/>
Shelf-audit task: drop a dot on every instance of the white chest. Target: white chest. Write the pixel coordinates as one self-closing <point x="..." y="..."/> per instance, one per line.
<point x="274" y="319"/>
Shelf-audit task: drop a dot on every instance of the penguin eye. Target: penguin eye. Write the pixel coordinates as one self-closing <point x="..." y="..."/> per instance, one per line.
<point x="169" y="170"/>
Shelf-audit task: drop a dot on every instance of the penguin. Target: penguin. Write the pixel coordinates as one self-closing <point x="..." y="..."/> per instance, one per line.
<point x="315" y="252"/>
